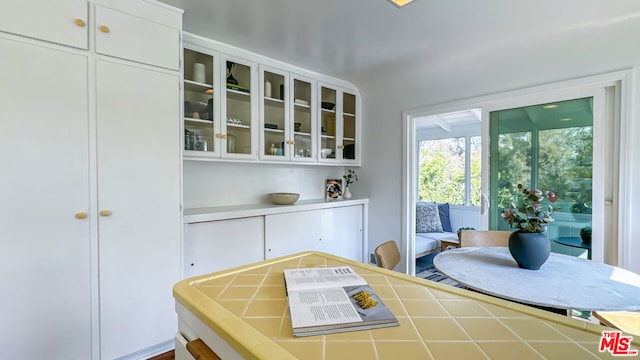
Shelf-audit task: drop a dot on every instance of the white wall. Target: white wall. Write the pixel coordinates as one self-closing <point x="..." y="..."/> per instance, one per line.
<point x="208" y="183"/>
<point x="505" y="64"/>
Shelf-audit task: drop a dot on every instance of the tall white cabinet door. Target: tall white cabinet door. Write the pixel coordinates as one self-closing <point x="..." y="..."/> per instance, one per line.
<point x="44" y="160"/>
<point x="61" y="21"/>
<point x="217" y="245"/>
<point x="139" y="202"/>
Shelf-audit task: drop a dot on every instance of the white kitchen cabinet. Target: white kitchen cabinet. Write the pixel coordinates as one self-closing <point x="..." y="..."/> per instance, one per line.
<point x="287" y="121"/>
<point x="221" y="237"/>
<point x="339" y="122"/>
<point x="45" y="245"/>
<point x="133" y="38"/>
<point x="239" y="109"/>
<point x="61" y="21"/>
<point x="216" y="245"/>
<point x="139" y="203"/>
<point x="273" y="114"/>
<point x="275" y="127"/>
<point x="337" y="231"/>
<point x="90" y="208"/>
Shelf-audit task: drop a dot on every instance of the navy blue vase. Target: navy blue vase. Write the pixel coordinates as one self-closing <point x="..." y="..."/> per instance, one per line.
<point x="529" y="249"/>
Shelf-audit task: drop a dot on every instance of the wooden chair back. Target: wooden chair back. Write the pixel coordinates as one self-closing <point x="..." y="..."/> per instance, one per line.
<point x="387" y="255"/>
<point x="484" y="238"/>
<point x="627" y="321"/>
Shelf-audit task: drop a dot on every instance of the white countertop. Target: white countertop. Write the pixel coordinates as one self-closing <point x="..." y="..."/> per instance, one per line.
<point x="194" y="215"/>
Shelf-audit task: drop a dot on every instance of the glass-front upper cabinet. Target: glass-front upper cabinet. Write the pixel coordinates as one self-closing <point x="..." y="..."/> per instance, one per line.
<point x="349" y="122"/>
<point x="339" y="127"/>
<point x="328" y="128"/>
<point x="303" y="115"/>
<point x="239" y="102"/>
<point x="199" y="80"/>
<point x="274" y="114"/>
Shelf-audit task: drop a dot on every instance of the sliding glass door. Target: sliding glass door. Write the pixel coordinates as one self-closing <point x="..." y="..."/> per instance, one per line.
<point x="548" y="147"/>
<point x="560" y="140"/>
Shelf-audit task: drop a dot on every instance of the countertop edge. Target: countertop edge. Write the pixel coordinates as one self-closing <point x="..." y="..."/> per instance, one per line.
<point x="203" y="214"/>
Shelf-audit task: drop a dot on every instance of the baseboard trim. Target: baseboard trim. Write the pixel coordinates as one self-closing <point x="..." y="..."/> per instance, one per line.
<point x="150" y="351"/>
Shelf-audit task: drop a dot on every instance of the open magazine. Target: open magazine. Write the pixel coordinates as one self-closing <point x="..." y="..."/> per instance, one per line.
<point x="331" y="300"/>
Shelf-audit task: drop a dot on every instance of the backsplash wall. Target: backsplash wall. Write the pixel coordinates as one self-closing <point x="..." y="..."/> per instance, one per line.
<point x="219" y="183"/>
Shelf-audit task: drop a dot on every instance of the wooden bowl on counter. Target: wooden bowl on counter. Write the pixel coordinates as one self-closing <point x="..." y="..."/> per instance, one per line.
<point x="283" y="198"/>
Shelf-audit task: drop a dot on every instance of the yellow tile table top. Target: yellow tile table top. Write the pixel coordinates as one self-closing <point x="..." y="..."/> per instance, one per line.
<point x="247" y="307"/>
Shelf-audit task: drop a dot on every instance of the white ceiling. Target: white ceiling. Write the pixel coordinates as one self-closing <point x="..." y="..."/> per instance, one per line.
<point x="348" y="38"/>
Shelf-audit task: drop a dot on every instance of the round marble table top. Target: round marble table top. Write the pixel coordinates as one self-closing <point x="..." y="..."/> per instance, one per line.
<point x="563" y="282"/>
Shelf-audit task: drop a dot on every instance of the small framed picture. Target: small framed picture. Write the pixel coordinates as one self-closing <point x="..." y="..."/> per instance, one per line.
<point x="333" y="189"/>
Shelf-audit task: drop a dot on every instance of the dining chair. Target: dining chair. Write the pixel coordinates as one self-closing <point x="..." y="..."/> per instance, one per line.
<point x="387" y="255"/>
<point x="627" y="321"/>
<point x="484" y="238"/>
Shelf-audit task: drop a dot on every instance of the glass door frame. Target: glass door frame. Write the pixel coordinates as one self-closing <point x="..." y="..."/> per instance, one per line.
<point x="599" y="146"/>
<point x="620" y="169"/>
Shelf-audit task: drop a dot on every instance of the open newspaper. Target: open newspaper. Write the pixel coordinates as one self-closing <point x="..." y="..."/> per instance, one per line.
<point x="331" y="300"/>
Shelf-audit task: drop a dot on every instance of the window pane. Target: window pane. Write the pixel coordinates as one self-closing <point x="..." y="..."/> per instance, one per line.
<point x="514" y="159"/>
<point x="565" y="167"/>
<point x="441" y="170"/>
<point x="475" y="165"/>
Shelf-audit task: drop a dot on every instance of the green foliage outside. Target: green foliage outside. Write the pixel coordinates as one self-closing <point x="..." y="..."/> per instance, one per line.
<point x="442" y="171"/>
<point x="564" y="166"/>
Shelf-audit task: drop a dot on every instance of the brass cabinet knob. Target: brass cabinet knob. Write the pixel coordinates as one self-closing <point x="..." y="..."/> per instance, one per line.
<point x="105" y="213"/>
<point x="340" y="147"/>
<point x="104" y="29"/>
<point x="80" y="22"/>
<point x="224" y="136"/>
<point x="293" y="142"/>
<point x="81" y="215"/>
<point x="219" y="136"/>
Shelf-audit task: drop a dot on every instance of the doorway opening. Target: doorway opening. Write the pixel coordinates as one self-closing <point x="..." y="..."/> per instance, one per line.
<point x="609" y="95"/>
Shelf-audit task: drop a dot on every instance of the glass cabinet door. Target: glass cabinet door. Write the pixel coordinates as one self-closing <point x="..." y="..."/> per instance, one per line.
<point x="303" y="119"/>
<point x="348" y="145"/>
<point x="328" y="127"/>
<point x="199" y="77"/>
<point x="275" y="115"/>
<point x="238" y="110"/>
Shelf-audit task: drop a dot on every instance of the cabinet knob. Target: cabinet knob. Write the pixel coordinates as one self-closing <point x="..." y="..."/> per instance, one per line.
<point x="81" y="215"/>
<point x="104" y="28"/>
<point x="224" y="136"/>
<point x="218" y="135"/>
<point x="340" y="146"/>
<point x="105" y="213"/>
<point x="80" y="22"/>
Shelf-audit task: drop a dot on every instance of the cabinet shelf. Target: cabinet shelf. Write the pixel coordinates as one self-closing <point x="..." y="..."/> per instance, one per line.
<point x="302" y="106"/>
<point x="274" y="130"/>
<point x="200" y="121"/>
<point x="191" y="83"/>
<point x="328" y="137"/>
<point x="237" y="92"/>
<point x="328" y="111"/>
<point x="349" y="114"/>
<point x="274" y="100"/>
<point x="349" y="139"/>
<point x="301" y="133"/>
<point x="238" y="126"/>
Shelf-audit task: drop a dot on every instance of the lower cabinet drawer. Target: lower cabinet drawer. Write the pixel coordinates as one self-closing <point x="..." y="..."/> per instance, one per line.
<point x="181" y="348"/>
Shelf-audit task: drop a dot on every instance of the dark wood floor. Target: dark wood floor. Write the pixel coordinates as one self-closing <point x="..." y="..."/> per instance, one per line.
<point x="166" y="356"/>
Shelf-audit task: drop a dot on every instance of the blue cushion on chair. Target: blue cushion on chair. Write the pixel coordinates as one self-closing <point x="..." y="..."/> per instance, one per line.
<point x="443" y="211"/>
